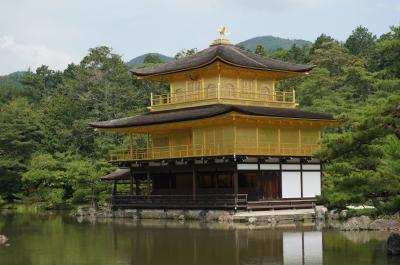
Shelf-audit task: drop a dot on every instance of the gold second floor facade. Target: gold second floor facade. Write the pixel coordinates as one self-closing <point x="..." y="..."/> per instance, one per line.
<point x="225" y="140"/>
<point x="232" y="134"/>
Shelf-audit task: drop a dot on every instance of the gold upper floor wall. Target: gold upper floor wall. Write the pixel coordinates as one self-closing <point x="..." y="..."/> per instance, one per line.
<point x="221" y="83"/>
<point x="225" y="140"/>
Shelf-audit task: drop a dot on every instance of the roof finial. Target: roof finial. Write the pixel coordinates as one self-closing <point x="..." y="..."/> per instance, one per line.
<point x="223" y="31"/>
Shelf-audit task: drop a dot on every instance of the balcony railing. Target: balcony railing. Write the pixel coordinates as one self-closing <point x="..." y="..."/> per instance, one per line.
<point x="185" y="151"/>
<point x="209" y="201"/>
<point x="211" y="95"/>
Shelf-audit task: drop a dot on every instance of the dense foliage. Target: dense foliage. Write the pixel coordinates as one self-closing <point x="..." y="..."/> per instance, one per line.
<point x="48" y="153"/>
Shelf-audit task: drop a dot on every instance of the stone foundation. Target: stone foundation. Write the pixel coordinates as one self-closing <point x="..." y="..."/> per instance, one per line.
<point x="271" y="217"/>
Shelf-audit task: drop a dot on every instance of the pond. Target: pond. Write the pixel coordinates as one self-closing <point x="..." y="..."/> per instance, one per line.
<point x="58" y="239"/>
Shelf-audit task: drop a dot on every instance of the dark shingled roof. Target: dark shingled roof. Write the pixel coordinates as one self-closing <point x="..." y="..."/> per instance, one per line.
<point x="201" y="112"/>
<point x="227" y="53"/>
<point x="119" y="174"/>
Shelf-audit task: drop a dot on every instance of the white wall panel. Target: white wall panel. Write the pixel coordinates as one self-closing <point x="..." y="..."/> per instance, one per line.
<point x="247" y="166"/>
<point x="291" y="184"/>
<point x="311" y="166"/>
<point x="291" y="166"/>
<point x="269" y="167"/>
<point x="311" y="183"/>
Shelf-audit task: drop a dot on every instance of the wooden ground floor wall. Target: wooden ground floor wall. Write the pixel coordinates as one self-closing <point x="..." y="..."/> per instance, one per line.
<point x="260" y="181"/>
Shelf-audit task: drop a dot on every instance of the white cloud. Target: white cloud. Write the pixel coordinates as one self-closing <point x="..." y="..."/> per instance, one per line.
<point x="17" y="56"/>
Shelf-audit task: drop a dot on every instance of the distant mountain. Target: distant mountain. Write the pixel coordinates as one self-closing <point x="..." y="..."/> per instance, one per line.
<point x="139" y="60"/>
<point x="271" y="43"/>
<point x="13" y="74"/>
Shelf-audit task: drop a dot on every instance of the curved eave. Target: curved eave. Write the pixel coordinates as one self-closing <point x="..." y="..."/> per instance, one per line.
<point x="149" y="126"/>
<point x="218" y="58"/>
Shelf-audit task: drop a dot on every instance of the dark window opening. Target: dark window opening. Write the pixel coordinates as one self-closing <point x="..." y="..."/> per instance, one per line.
<point x="206" y="181"/>
<point x="247" y="179"/>
<point x="164" y="182"/>
<point x="224" y="180"/>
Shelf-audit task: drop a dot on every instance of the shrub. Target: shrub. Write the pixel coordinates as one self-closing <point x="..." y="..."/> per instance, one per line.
<point x="371" y="212"/>
<point x="390" y="207"/>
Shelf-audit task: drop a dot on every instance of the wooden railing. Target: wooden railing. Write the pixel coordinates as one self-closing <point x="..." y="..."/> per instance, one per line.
<point x="184" y="151"/>
<point x="240" y="96"/>
<point x="216" y="201"/>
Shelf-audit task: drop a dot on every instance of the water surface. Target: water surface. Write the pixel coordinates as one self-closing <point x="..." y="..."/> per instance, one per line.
<point x="57" y="239"/>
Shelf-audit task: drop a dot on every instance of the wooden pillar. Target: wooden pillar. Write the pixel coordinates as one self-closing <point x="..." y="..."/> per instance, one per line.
<point x="115" y="187"/>
<point x="137" y="185"/>
<point x="194" y="183"/>
<point x="131" y="147"/>
<point x="235" y="184"/>
<point x="131" y="182"/>
<point x="301" y="178"/>
<point x="148" y="183"/>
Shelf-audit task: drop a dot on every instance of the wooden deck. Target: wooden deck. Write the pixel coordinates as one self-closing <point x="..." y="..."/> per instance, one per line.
<point x="281" y="204"/>
<point x="204" y="201"/>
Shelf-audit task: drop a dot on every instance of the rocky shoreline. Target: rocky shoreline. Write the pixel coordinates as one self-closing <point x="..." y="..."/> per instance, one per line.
<point x="320" y="213"/>
<point x="365" y="223"/>
<point x="181" y="215"/>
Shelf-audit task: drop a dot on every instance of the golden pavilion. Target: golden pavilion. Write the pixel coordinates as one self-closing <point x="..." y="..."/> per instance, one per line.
<point x="223" y="137"/>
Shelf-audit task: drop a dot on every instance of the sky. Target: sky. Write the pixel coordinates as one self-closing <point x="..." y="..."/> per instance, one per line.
<point x="58" y="32"/>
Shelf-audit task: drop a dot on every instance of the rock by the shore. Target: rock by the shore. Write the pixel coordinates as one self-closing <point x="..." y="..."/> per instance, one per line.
<point x="385" y="224"/>
<point x="252" y="220"/>
<point x="333" y="215"/>
<point x="320" y="212"/>
<point x="393" y="244"/>
<point x="356" y="223"/>
<point x="3" y="239"/>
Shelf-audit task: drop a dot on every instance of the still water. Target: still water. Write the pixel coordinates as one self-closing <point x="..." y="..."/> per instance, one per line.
<point x="57" y="239"/>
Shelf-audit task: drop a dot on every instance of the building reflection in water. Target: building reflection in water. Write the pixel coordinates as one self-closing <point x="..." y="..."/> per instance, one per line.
<point x="188" y="244"/>
<point x="302" y="248"/>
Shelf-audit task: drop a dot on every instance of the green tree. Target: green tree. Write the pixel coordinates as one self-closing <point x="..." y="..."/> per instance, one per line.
<point x="391" y="157"/>
<point x="335" y="58"/>
<point x="321" y="39"/>
<point x="387" y="55"/>
<point x="360" y="157"/>
<point x="20" y="136"/>
<point x="152" y="59"/>
<point x="361" y="42"/>
<point x="42" y="83"/>
<point x="259" y="50"/>
<point x="185" y="53"/>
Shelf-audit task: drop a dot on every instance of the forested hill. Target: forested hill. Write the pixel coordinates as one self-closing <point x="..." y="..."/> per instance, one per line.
<point x="271" y="43"/>
<point x="49" y="154"/>
<point x="137" y="61"/>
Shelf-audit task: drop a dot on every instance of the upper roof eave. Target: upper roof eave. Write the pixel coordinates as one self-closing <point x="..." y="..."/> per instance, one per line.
<point x="228" y="54"/>
<point x="146" y="76"/>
